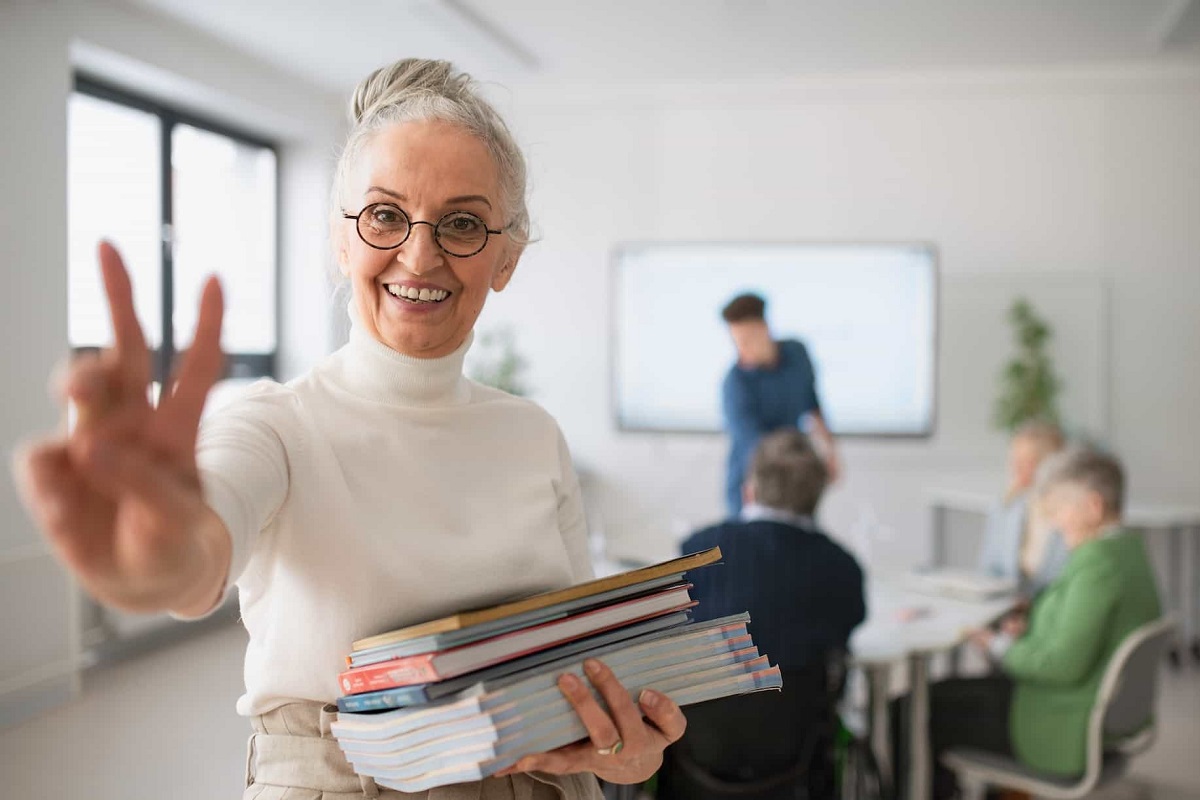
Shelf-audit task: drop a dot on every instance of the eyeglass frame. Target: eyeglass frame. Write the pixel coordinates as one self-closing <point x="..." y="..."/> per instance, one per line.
<point x="413" y="223"/>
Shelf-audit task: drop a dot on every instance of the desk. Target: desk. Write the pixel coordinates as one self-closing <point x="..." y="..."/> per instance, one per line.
<point x="882" y="642"/>
<point x="1180" y="525"/>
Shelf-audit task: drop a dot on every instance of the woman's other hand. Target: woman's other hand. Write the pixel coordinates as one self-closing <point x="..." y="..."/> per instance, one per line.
<point x="1015" y="624"/>
<point x="980" y="638"/>
<point x="624" y="747"/>
<point x="119" y="497"/>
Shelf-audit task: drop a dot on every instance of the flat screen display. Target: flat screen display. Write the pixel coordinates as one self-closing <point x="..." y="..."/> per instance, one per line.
<point x="867" y="314"/>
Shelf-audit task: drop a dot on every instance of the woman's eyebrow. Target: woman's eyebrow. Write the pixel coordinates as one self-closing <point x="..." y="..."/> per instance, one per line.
<point x="388" y="192"/>
<point x="470" y="198"/>
<point x="464" y="198"/>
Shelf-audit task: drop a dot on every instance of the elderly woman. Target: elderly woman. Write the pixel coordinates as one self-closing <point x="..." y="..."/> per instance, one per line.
<point x="381" y="489"/>
<point x="1018" y="543"/>
<point x="1037" y="708"/>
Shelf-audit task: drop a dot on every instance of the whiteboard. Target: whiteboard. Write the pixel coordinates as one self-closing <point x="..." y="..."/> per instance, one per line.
<point x="866" y="312"/>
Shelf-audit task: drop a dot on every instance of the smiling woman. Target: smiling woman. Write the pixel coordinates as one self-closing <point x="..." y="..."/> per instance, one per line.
<point x="423" y="170"/>
<point x="381" y="489"/>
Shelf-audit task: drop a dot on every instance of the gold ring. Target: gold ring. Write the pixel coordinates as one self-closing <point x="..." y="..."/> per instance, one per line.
<point x="611" y="751"/>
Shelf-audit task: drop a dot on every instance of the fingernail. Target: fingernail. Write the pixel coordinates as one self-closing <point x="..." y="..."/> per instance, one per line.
<point x="591" y="667"/>
<point x="569" y="681"/>
<point x="648" y="698"/>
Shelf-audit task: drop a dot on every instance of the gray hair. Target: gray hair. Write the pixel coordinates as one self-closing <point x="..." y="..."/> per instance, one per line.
<point x="1088" y="468"/>
<point x="417" y="89"/>
<point x="787" y="473"/>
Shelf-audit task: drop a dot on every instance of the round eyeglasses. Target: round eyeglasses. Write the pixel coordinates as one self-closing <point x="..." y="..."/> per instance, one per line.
<point x="386" y="227"/>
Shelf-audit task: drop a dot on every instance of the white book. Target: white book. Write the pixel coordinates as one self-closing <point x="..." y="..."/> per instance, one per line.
<point x="551" y="717"/>
<point x="566" y="730"/>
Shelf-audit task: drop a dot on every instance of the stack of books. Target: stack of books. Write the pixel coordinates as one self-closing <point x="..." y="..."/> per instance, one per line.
<point x="463" y="697"/>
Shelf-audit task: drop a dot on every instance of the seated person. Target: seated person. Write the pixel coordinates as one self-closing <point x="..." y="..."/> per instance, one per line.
<point x="804" y="594"/>
<point x="1037" y="709"/>
<point x="1019" y="543"/>
<point x="803" y="591"/>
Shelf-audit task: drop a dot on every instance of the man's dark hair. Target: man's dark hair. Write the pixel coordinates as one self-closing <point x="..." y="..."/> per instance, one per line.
<point x="787" y="472"/>
<point x="744" y="307"/>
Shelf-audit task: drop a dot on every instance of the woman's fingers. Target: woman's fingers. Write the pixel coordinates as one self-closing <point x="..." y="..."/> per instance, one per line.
<point x="60" y="502"/>
<point x="664" y="713"/>
<point x="130" y="346"/>
<point x="201" y="367"/>
<point x="600" y="726"/>
<point x="624" y="713"/>
<point x="121" y="470"/>
<point x="90" y="382"/>
<point x="40" y="470"/>
<point x="563" y="761"/>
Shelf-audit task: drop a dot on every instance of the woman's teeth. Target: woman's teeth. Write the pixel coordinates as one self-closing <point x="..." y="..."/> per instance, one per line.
<point x="418" y="295"/>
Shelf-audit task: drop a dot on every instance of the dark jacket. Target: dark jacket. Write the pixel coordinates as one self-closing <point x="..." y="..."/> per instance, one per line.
<point x="803" y="591"/>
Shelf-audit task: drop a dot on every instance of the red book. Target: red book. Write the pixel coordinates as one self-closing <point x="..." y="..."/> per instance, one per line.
<point x="443" y="664"/>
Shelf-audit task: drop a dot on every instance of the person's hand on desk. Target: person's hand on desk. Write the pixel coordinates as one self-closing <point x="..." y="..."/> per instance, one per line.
<point x="981" y="638"/>
<point x="624" y="747"/>
<point x="1015" y="624"/>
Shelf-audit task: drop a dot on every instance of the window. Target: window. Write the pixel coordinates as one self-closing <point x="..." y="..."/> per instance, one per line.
<point x="182" y="198"/>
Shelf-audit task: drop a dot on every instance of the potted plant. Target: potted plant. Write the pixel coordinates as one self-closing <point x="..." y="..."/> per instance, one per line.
<point x="1029" y="386"/>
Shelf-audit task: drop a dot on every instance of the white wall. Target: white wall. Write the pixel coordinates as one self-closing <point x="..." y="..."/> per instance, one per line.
<point x="1094" y="173"/>
<point x="39" y="45"/>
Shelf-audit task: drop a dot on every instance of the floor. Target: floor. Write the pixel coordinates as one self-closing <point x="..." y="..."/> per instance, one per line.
<point x="162" y="725"/>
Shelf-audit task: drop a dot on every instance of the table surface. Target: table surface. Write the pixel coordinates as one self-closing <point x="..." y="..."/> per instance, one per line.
<point x="885" y="636"/>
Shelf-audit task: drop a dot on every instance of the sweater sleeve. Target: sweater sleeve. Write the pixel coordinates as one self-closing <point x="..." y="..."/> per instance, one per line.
<point x="244" y="472"/>
<point x="1065" y="647"/>
<point x="572" y="521"/>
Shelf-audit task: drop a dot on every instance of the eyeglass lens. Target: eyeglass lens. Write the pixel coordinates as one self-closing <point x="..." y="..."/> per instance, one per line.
<point x="458" y="233"/>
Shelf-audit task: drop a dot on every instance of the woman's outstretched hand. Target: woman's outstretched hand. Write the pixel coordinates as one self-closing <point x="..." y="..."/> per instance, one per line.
<point x="119" y="497"/>
<point x="624" y="747"/>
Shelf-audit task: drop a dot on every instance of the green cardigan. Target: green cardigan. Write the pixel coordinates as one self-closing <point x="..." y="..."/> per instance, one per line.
<point x="1106" y="590"/>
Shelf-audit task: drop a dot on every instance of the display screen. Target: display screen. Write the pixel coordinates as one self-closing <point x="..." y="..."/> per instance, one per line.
<point x="867" y="313"/>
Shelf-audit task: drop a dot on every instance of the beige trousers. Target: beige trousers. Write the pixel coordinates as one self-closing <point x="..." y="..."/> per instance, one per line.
<point x="293" y="756"/>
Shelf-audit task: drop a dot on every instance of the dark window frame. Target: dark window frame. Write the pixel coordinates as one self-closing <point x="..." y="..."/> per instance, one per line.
<point x="237" y="365"/>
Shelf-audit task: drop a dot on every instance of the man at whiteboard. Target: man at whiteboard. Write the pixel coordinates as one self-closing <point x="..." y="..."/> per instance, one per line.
<point x="772" y="385"/>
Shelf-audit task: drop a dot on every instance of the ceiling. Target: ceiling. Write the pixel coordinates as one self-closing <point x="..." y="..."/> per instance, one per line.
<point x="334" y="44"/>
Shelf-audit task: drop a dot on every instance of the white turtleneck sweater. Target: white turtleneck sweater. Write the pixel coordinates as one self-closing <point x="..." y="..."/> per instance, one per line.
<point x="379" y="491"/>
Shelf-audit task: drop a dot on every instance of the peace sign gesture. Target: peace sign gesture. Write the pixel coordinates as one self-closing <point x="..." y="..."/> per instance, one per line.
<point x="119" y="498"/>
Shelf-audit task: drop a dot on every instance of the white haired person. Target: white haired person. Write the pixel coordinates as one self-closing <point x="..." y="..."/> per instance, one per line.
<point x="1019" y="543"/>
<point x="382" y="488"/>
<point x="1037" y="707"/>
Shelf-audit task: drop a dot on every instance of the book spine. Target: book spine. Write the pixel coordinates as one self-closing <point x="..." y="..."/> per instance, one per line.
<point x="407" y="671"/>
<point x="372" y="702"/>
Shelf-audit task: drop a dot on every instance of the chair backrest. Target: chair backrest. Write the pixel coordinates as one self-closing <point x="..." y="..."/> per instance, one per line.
<point x="1126" y="697"/>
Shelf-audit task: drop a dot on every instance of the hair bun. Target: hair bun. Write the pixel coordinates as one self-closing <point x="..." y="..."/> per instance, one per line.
<point x="405" y="79"/>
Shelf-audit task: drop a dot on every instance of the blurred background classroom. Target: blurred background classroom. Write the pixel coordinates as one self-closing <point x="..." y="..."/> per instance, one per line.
<point x="927" y="192"/>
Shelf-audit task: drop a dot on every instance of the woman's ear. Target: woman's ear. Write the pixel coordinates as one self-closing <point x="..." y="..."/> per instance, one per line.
<point x="341" y="247"/>
<point x="503" y="275"/>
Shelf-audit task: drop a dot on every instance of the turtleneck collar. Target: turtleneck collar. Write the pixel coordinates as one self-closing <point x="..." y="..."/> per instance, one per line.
<point x="375" y="371"/>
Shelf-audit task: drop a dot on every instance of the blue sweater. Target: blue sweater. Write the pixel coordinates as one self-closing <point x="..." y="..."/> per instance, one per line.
<point x="757" y="401"/>
<point x="803" y="591"/>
